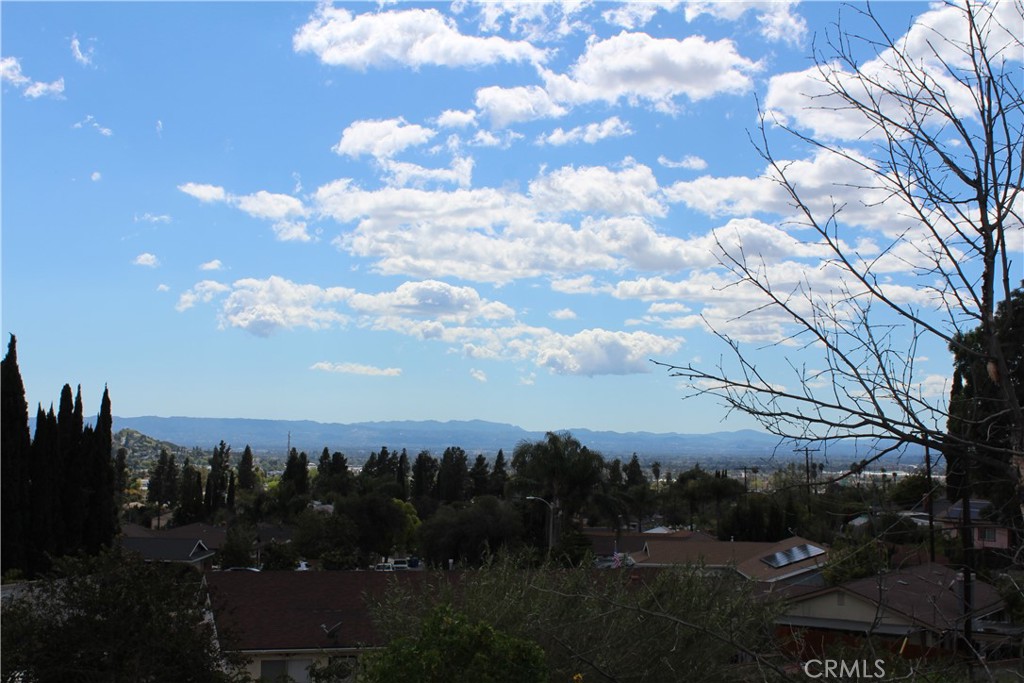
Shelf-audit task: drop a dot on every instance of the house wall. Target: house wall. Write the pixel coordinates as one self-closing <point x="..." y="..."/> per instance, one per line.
<point x="267" y="666"/>
<point x="840" y="605"/>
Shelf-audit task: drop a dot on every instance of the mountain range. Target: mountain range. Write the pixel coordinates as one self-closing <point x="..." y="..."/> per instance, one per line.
<point x="475" y="436"/>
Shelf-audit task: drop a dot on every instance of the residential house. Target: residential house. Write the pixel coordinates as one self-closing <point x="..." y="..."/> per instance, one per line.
<point x="988" y="534"/>
<point x="794" y="560"/>
<point x="284" y="622"/>
<point x="189" y="551"/>
<point x="916" y="611"/>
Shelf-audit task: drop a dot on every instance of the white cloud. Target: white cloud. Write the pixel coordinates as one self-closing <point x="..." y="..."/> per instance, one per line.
<point x="282" y="209"/>
<point x="598" y="189"/>
<point x="382" y="138"/>
<point x="356" y="369"/>
<point x="505" y="106"/>
<point x="91" y="122"/>
<point x="590" y="133"/>
<point x="10" y="72"/>
<point x="264" y="306"/>
<point x="776" y="18"/>
<point x="602" y="352"/>
<point x="151" y="218"/>
<point x="203" y="192"/>
<point x="637" y="67"/>
<point x="159" y="128"/>
<point x="478" y="375"/>
<point x="201" y="292"/>
<point x="96" y="176"/>
<point x="54" y="89"/>
<point x="162" y="288"/>
<point x="146" y="259"/>
<point x="270" y="206"/>
<point x="536" y="21"/>
<point x="215" y="264"/>
<point x="83" y="58"/>
<point x="689" y="162"/>
<point x="451" y="118"/>
<point x="403" y="174"/>
<point x="563" y="314"/>
<point x="631" y="15"/>
<point x="411" y="38"/>
<point x="432" y="300"/>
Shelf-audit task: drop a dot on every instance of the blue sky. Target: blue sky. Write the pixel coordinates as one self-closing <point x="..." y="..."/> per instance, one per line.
<point x="360" y="212"/>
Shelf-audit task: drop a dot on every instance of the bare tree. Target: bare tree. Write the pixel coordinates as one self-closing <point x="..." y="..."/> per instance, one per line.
<point x="927" y="132"/>
<point x="934" y="151"/>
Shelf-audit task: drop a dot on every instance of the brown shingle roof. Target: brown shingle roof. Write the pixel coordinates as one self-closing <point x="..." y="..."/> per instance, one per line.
<point x="930" y="594"/>
<point x="745" y="556"/>
<point x="282" y="610"/>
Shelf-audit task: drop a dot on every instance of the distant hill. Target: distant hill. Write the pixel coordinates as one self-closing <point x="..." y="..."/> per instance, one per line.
<point x="271" y="437"/>
<point x="144" y="450"/>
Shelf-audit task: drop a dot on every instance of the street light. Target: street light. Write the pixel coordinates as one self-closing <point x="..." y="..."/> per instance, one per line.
<point x="551" y="521"/>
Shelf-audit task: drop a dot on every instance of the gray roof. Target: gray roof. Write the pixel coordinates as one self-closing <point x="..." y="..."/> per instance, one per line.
<point x="159" y="549"/>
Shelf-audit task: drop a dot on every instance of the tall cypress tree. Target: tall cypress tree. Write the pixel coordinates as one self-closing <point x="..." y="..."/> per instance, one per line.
<point x="101" y="523"/>
<point x="47" y="515"/>
<point x="14" y="463"/>
<point x="246" y="471"/>
<point x="74" y="469"/>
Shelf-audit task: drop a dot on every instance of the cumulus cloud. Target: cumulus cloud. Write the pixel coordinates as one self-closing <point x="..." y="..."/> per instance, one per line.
<point x="283" y="210"/>
<point x="536" y="21"/>
<point x="146" y="259"/>
<point x="412" y="38"/>
<point x="356" y="369"/>
<point x="96" y="176"/>
<point x="563" y="314"/>
<point x="215" y="264"/>
<point x="403" y="174"/>
<point x="432" y="300"/>
<point x="265" y="306"/>
<point x="383" y="138"/>
<point x="505" y="106"/>
<point x="203" y="192"/>
<point x="201" y="292"/>
<point x="162" y="288"/>
<point x="776" y="18"/>
<point x="451" y="118"/>
<point x="639" y="68"/>
<point x="599" y="189"/>
<point x="478" y="375"/>
<point x="602" y="352"/>
<point x="612" y="127"/>
<point x="631" y="15"/>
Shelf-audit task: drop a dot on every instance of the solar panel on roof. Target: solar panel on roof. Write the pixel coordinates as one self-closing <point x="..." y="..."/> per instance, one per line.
<point x="797" y="553"/>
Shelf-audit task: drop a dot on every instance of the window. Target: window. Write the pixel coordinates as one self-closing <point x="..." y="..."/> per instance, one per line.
<point x="987" y="534"/>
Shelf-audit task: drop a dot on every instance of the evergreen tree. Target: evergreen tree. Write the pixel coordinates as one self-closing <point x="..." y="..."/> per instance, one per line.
<point x="190" y="507"/>
<point x="499" y="475"/>
<point x="74" y="468"/>
<point x="453" y="475"/>
<point x="424" y="475"/>
<point x="103" y="511"/>
<point x="402" y="472"/>
<point x="47" y="516"/>
<point x="157" y="477"/>
<point x="479" y="476"/>
<point x="15" y="458"/>
<point x="634" y="473"/>
<point x="247" y="471"/>
<point x="217" y="479"/>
